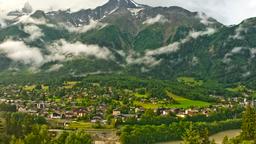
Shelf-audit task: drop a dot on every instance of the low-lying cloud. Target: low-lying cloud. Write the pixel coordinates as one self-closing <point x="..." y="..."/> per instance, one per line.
<point x="166" y="49"/>
<point x="55" y="67"/>
<point x="27" y="19"/>
<point x="149" y="57"/>
<point x="20" y="52"/>
<point x="196" y="34"/>
<point x="149" y="61"/>
<point x="60" y="51"/>
<point x="63" y="48"/>
<point x="236" y="50"/>
<point x="2" y="23"/>
<point x="34" y="31"/>
<point x="238" y="33"/>
<point x="173" y="47"/>
<point x="157" y="19"/>
<point x="204" y="18"/>
<point x="82" y="29"/>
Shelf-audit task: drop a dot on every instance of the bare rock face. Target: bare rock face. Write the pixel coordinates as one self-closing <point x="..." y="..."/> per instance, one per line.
<point x="27" y="8"/>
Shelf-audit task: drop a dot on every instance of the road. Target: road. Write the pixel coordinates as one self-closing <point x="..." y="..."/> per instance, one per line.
<point x="108" y="136"/>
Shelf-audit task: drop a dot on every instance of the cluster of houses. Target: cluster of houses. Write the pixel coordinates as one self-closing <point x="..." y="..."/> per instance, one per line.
<point x="54" y="110"/>
<point x="51" y="110"/>
<point x="182" y="113"/>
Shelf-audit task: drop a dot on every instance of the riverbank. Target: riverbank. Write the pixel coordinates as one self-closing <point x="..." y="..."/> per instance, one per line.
<point x="218" y="137"/>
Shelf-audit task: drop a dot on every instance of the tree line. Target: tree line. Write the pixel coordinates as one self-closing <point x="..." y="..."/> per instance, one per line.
<point x="22" y="128"/>
<point x="150" y="134"/>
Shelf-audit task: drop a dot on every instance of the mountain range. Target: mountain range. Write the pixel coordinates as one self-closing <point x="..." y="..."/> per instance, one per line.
<point x="124" y="37"/>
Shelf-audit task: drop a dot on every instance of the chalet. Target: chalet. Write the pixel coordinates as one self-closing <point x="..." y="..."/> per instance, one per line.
<point x="66" y="124"/>
<point x="80" y="112"/>
<point x="180" y="115"/>
<point x="22" y="109"/>
<point x="55" y="116"/>
<point x="139" y="110"/>
<point x="165" y="112"/>
<point x="206" y="111"/>
<point x="33" y="112"/>
<point x="96" y="119"/>
<point x="40" y="105"/>
<point x="175" y="111"/>
<point x="116" y="113"/>
<point x="126" y="116"/>
<point x="191" y="112"/>
<point x="69" y="115"/>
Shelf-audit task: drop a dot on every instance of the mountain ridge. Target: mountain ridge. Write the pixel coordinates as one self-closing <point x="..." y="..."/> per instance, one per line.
<point x="160" y="42"/>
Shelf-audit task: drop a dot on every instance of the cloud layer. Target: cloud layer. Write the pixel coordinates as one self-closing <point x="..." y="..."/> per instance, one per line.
<point x="59" y="51"/>
<point x="34" y="31"/>
<point x="150" y="59"/>
<point x="82" y="29"/>
<point x="157" y="19"/>
<point x="20" y="52"/>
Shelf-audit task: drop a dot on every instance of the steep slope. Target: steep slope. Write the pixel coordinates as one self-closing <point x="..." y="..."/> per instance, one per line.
<point x="125" y="37"/>
<point x="84" y="16"/>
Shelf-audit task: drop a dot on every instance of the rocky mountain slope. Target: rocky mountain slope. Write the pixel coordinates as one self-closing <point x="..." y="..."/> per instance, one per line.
<point x="125" y="37"/>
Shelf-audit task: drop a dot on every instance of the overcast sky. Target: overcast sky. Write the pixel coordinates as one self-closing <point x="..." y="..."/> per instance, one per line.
<point x="225" y="11"/>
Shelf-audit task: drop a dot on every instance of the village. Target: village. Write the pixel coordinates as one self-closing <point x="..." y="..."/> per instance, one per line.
<point x="52" y="111"/>
<point x="98" y="106"/>
<point x="104" y="110"/>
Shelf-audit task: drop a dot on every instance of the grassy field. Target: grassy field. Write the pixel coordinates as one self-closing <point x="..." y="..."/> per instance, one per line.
<point x="71" y="124"/>
<point x="32" y="87"/>
<point x="80" y="125"/>
<point x="70" y="84"/>
<point x="183" y="103"/>
<point x="85" y="125"/>
<point x="190" y="81"/>
<point x="239" y="88"/>
<point x="29" y="88"/>
<point x="242" y="89"/>
<point x="141" y="95"/>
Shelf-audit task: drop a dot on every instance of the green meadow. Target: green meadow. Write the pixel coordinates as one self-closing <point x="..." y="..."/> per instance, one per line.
<point x="181" y="103"/>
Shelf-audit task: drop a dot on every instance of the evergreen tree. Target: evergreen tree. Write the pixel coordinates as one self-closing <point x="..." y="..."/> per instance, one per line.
<point x="225" y="140"/>
<point x="39" y="135"/>
<point x="205" y="136"/>
<point x="15" y="140"/>
<point x="62" y="138"/>
<point x="248" y="124"/>
<point x="213" y="142"/>
<point x="191" y="136"/>
<point x="78" y="137"/>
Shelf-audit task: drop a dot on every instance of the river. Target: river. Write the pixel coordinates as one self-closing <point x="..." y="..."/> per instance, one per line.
<point x="218" y="137"/>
